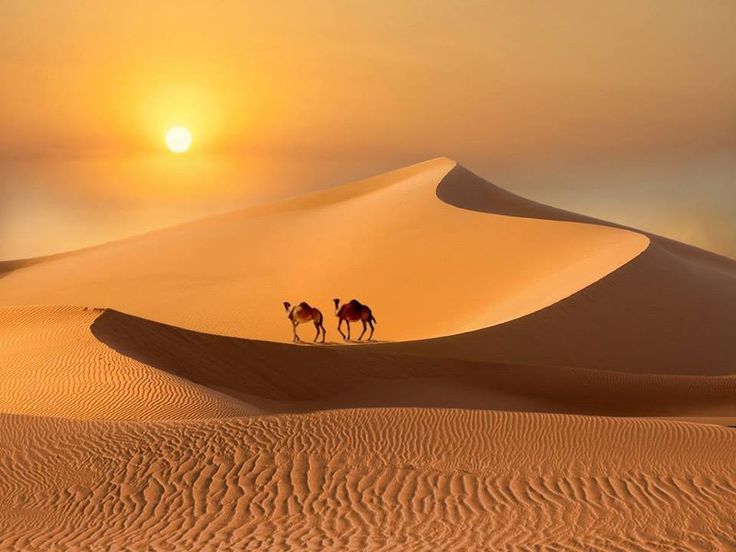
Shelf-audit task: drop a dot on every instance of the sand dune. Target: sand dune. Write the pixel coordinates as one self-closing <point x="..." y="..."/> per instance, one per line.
<point x="276" y="377"/>
<point x="94" y="364"/>
<point x="52" y="365"/>
<point x="428" y="268"/>
<point x="437" y="252"/>
<point x="368" y="480"/>
<point x="669" y="310"/>
<point x="142" y="409"/>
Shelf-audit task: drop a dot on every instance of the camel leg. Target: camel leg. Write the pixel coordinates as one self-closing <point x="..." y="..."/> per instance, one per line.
<point x="296" y="336"/>
<point x="339" y="324"/>
<point x="363" y="332"/>
<point x="348" y="323"/>
<point x="316" y="337"/>
<point x="370" y="323"/>
<point x="324" y="332"/>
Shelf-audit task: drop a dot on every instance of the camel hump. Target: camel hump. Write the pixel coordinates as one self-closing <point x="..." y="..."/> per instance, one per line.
<point x="355" y="303"/>
<point x="304" y="305"/>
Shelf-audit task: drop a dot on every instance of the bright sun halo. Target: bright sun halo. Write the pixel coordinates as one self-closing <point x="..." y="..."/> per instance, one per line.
<point x="178" y="139"/>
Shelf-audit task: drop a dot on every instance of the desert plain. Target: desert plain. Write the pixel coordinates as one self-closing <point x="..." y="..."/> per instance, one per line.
<point x="539" y="380"/>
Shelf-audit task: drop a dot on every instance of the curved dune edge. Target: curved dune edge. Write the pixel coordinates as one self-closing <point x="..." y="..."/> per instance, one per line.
<point x="52" y="365"/>
<point x="281" y="378"/>
<point x="427" y="268"/>
<point x="101" y="364"/>
<point x="408" y="479"/>
<point x="669" y="310"/>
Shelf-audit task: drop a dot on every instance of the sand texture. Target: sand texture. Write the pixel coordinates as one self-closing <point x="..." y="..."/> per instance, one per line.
<point x="541" y="380"/>
<point x="368" y="480"/>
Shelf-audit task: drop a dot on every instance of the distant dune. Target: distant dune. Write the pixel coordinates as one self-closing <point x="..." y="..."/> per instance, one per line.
<point x="149" y="402"/>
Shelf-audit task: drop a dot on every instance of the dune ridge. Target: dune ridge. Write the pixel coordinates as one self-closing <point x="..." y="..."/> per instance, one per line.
<point x="669" y="310"/>
<point x="103" y="364"/>
<point x="595" y="295"/>
<point x="282" y="378"/>
<point x="373" y="239"/>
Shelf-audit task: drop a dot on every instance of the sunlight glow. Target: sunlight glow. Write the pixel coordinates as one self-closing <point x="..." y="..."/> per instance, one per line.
<point x="178" y="139"/>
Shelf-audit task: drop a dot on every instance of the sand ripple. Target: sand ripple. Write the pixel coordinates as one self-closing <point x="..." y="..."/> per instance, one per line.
<point x="368" y="480"/>
<point x="53" y="365"/>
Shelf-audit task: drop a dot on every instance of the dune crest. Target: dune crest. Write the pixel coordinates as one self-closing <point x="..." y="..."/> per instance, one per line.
<point x="669" y="310"/>
<point x="101" y="364"/>
<point x="427" y="268"/>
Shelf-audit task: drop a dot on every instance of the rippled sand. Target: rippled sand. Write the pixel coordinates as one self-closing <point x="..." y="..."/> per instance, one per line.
<point x="528" y="391"/>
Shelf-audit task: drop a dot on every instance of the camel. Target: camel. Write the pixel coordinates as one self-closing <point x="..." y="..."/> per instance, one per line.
<point x="302" y="313"/>
<point x="352" y="312"/>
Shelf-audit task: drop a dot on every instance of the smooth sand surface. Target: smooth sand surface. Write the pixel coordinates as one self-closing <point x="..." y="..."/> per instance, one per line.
<point x="148" y="401"/>
<point x="672" y="309"/>
<point x="426" y="267"/>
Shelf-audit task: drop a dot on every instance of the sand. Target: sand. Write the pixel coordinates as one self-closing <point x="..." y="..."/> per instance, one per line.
<point x="101" y="364"/>
<point x="389" y="241"/>
<point x="52" y="365"/>
<point x="543" y="381"/>
<point x="368" y="480"/>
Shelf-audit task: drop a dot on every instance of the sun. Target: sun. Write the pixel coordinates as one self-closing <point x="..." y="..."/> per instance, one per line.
<point x="178" y="139"/>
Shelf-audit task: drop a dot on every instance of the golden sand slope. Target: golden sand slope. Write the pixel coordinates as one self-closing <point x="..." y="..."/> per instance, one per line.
<point x="368" y="480"/>
<point x="93" y="364"/>
<point x="670" y="310"/>
<point x="51" y="364"/>
<point x="427" y="267"/>
<point x="435" y="250"/>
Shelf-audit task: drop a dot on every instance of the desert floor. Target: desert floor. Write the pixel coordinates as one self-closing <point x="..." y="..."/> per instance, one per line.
<point x="540" y="380"/>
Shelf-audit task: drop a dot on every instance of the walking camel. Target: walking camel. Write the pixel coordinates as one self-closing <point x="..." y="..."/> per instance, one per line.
<point x="354" y="311"/>
<point x="303" y="313"/>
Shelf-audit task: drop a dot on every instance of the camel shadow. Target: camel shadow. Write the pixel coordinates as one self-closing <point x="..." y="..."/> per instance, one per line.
<point x="341" y="343"/>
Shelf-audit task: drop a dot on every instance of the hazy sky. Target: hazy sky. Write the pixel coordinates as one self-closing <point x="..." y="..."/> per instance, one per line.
<point x="623" y="109"/>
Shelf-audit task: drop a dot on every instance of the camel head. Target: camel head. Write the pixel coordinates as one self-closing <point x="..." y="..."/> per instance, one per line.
<point x="287" y="306"/>
<point x="337" y="305"/>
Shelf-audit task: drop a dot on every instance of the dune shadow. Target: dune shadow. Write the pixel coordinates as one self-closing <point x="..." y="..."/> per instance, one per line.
<point x="664" y="311"/>
<point x="466" y="190"/>
<point x="364" y="342"/>
<point x="8" y="267"/>
<point x="288" y="378"/>
<point x="461" y="188"/>
<point x="339" y="343"/>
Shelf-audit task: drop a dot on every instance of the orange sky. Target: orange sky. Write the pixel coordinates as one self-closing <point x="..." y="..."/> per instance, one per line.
<point x="626" y="110"/>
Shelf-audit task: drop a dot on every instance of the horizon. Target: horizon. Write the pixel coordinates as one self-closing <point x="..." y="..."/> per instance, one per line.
<point x="545" y="101"/>
<point x="286" y="198"/>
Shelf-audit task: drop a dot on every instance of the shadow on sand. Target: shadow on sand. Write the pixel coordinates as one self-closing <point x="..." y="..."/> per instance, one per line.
<point x="279" y="377"/>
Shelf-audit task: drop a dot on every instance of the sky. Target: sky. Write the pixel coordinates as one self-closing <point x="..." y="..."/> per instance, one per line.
<point x="624" y="110"/>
